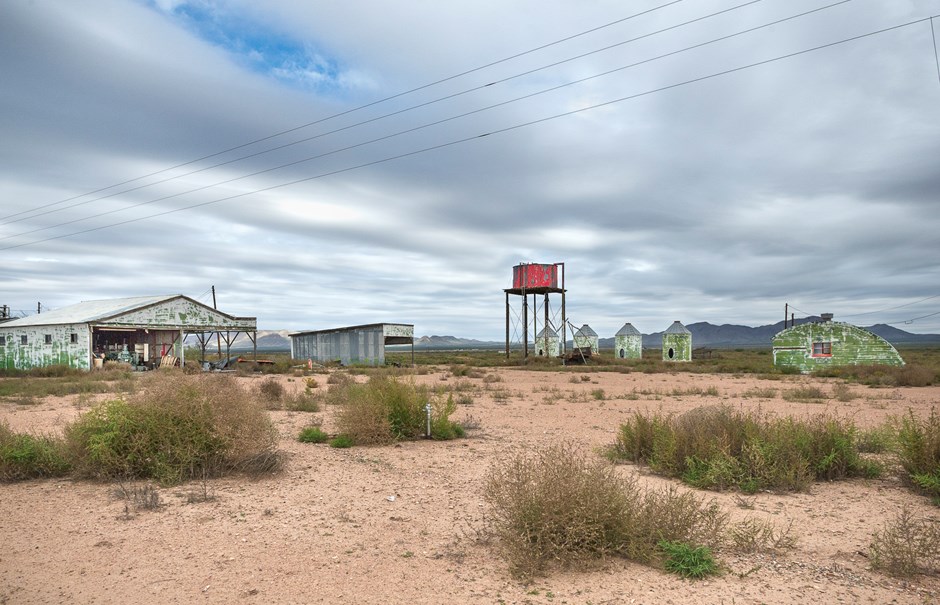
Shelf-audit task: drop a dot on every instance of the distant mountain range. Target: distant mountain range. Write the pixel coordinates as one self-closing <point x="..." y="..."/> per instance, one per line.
<point x="704" y="334"/>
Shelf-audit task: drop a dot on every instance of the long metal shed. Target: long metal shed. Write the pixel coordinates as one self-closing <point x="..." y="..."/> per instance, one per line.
<point x="352" y="345"/>
<point x="139" y="330"/>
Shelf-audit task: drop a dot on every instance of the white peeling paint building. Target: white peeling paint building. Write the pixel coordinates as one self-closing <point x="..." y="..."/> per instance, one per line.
<point x="139" y="330"/>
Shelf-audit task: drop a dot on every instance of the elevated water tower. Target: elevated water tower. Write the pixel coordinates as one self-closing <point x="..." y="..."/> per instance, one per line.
<point x="536" y="279"/>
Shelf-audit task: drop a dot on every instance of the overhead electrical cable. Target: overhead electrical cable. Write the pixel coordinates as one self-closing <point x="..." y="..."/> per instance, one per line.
<point x="486" y="134"/>
<point x="913" y="319"/>
<point x="420" y="127"/>
<point x="448" y="97"/>
<point x="359" y="107"/>
<point x="893" y="308"/>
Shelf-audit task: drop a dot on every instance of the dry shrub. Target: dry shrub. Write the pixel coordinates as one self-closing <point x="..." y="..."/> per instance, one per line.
<point x="555" y="506"/>
<point x="180" y="426"/>
<point x="907" y="546"/>
<point x="758" y="535"/>
<point x="25" y="456"/>
<point x="271" y="393"/>
<point x="386" y="409"/>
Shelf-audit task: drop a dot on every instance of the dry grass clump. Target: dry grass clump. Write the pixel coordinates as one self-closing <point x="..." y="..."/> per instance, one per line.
<point x="386" y="409"/>
<point x="25" y="456"/>
<point x="907" y="546"/>
<point x="553" y="506"/>
<point x="716" y="447"/>
<point x="910" y="375"/>
<point x="805" y="394"/>
<point x="180" y="426"/>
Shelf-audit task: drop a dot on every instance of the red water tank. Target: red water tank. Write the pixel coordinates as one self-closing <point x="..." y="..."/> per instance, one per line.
<point x="534" y="275"/>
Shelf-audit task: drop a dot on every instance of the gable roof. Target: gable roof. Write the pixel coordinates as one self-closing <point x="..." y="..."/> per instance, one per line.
<point x="89" y="311"/>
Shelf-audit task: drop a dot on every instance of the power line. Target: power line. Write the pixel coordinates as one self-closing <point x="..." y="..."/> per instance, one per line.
<point x="434" y="123"/>
<point x="490" y="133"/>
<point x="912" y="320"/>
<point x="893" y="308"/>
<point x="360" y="107"/>
<point x="432" y="102"/>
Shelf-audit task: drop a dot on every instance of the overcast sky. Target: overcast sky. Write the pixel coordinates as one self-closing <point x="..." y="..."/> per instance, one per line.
<point x="130" y="163"/>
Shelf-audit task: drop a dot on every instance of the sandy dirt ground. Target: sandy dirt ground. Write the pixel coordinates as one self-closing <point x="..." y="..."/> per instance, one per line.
<point x="403" y="523"/>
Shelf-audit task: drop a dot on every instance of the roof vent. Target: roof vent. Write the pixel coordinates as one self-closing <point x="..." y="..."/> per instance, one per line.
<point x="825" y="316"/>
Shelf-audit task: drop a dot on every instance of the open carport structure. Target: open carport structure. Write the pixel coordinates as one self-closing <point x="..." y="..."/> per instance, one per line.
<point x="140" y="331"/>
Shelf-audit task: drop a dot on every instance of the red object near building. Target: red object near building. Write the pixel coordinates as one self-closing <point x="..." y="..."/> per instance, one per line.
<point x="534" y="275"/>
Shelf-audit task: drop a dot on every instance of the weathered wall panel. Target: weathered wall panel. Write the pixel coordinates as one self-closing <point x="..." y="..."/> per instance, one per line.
<point x="354" y="345"/>
<point x="180" y="313"/>
<point x="37" y="353"/>
<point x="677" y="343"/>
<point x="848" y="345"/>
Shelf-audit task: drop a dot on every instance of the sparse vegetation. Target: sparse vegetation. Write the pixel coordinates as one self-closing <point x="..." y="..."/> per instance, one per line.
<point x="906" y="546"/>
<point x="805" y="394"/>
<point x="386" y="409"/>
<point x="312" y="434"/>
<point x="693" y="562"/>
<point x="918" y="442"/>
<point x="555" y="506"/>
<point x="179" y="427"/>
<point x="25" y="456"/>
<point x="716" y="447"/>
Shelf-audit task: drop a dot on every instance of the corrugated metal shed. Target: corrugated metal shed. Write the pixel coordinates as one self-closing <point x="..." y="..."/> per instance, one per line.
<point x="585" y="337"/>
<point x="363" y="344"/>
<point x="677" y="343"/>
<point x="547" y="343"/>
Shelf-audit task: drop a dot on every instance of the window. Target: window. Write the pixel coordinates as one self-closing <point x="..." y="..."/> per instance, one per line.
<point x="822" y="349"/>
<point x="24" y="340"/>
<point x="73" y="338"/>
<point x="47" y="339"/>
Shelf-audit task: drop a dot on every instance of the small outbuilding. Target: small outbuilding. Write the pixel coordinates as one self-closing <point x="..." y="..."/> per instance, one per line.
<point x="585" y="337"/>
<point x="363" y="345"/>
<point x="140" y="331"/>
<point x="831" y="343"/>
<point x="677" y="343"/>
<point x="547" y="343"/>
<point x="628" y="342"/>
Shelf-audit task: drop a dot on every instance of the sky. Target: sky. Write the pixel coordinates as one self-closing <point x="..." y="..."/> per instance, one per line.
<point x="326" y="164"/>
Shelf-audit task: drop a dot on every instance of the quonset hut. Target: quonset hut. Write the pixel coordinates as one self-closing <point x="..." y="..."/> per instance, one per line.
<point x="547" y="343"/>
<point x="831" y="343"/>
<point x="628" y="342"/>
<point x="677" y="343"/>
<point x="140" y="331"/>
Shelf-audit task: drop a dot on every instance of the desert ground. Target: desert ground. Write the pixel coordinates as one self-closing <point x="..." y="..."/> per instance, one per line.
<point x="406" y="523"/>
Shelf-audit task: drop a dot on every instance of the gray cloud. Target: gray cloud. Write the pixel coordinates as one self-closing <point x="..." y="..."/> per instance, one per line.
<point x="811" y="181"/>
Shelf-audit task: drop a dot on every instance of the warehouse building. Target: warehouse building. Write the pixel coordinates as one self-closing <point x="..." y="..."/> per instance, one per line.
<point x="140" y="331"/>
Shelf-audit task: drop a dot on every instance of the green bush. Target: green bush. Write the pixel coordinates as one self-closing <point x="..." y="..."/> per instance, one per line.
<point x="341" y="441"/>
<point x="918" y="443"/>
<point x="312" y="434"/>
<point x="181" y="426"/>
<point x="688" y="561"/>
<point x="716" y="447"/>
<point x="385" y="410"/>
<point x="24" y="456"/>
<point x="906" y="546"/>
<point x="553" y="505"/>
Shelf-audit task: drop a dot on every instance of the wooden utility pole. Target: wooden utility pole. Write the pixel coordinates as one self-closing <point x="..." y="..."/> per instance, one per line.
<point x="218" y="339"/>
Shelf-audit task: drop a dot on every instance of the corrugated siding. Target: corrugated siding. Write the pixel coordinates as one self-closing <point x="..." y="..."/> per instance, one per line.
<point x="359" y="346"/>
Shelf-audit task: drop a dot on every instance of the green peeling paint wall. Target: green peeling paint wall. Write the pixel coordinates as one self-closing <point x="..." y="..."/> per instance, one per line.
<point x="680" y="345"/>
<point x="36" y="353"/>
<point x="548" y="346"/>
<point x="849" y="345"/>
<point x="629" y="347"/>
<point x="179" y="313"/>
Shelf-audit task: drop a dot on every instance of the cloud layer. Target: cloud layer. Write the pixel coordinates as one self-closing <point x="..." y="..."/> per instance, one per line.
<point x="811" y="180"/>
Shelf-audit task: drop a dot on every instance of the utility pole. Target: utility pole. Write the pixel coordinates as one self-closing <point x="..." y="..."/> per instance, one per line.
<point x="218" y="337"/>
<point x="38" y="308"/>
